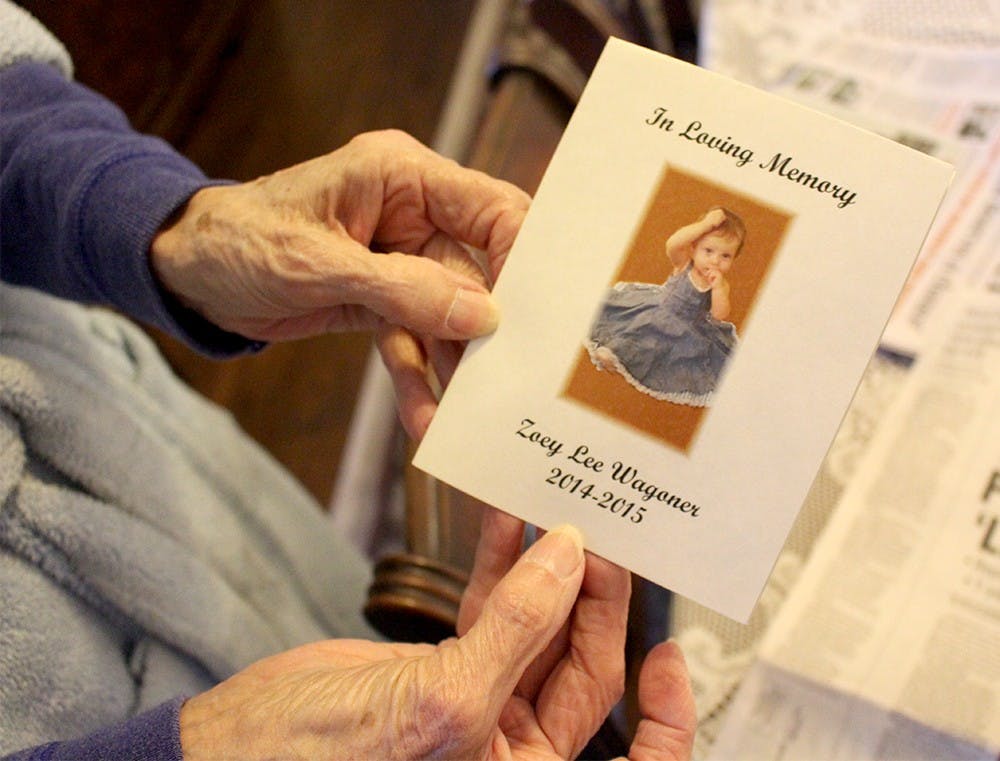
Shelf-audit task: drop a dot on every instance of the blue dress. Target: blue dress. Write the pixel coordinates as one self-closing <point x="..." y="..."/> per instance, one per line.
<point x="663" y="338"/>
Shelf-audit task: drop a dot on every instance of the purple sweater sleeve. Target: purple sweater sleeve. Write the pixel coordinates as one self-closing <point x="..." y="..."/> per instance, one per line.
<point x="81" y="196"/>
<point x="150" y="736"/>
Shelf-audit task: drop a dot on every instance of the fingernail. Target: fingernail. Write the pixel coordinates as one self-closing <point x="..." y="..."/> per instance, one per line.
<point x="560" y="550"/>
<point x="472" y="313"/>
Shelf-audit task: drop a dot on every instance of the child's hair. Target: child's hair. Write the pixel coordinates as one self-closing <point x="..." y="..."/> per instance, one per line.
<point x="732" y="227"/>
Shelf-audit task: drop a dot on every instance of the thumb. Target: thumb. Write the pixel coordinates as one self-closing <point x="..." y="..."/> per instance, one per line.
<point x="523" y="613"/>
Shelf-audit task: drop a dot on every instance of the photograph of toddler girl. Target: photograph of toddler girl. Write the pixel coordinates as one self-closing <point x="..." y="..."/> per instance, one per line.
<point x="671" y="340"/>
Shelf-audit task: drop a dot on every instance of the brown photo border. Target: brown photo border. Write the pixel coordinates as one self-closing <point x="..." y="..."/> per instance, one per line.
<point x="679" y="198"/>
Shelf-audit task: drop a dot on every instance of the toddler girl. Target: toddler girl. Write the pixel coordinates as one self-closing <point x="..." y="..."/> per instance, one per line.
<point x="671" y="341"/>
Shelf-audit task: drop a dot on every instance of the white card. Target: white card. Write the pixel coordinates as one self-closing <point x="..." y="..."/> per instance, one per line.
<point x="688" y="456"/>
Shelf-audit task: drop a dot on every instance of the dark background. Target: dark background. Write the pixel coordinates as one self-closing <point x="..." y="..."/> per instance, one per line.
<point x="244" y="88"/>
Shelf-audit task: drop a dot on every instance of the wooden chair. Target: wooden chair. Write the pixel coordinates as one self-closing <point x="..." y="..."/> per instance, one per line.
<point x="545" y="55"/>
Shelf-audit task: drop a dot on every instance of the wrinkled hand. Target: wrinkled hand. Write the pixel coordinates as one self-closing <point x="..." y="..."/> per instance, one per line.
<point x="367" y="237"/>
<point x="498" y="692"/>
<point x="571" y="686"/>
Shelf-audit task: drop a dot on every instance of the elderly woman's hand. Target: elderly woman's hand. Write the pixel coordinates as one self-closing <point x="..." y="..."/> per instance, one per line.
<point x="291" y="255"/>
<point x="588" y="654"/>
<point x="533" y="677"/>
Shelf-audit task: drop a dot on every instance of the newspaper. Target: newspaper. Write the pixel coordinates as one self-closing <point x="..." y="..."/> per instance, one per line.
<point x="926" y="74"/>
<point x="889" y="644"/>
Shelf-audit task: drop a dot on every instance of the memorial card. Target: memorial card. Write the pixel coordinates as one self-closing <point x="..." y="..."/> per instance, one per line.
<point x="696" y="290"/>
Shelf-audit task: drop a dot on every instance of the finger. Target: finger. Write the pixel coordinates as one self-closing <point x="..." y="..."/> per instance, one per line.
<point x="444" y="249"/>
<point x="541" y="667"/>
<point x="422" y="190"/>
<point x="474" y="208"/>
<point x="315" y="274"/>
<point x="422" y="295"/>
<point x="406" y="363"/>
<point x="491" y="227"/>
<point x="519" y="618"/>
<point x="406" y="358"/>
<point x="590" y="676"/>
<point x="444" y="357"/>
<point x="669" y="718"/>
<point x="296" y="279"/>
<point x="501" y="539"/>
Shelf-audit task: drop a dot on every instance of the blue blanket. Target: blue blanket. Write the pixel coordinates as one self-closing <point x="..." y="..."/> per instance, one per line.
<point x="148" y="547"/>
